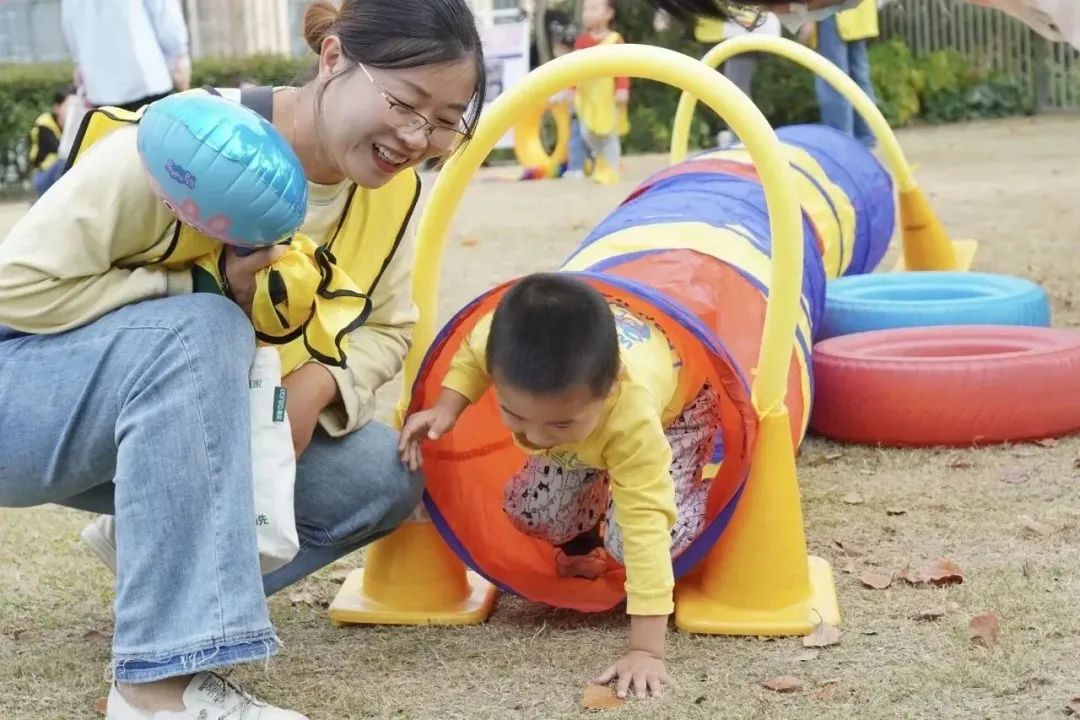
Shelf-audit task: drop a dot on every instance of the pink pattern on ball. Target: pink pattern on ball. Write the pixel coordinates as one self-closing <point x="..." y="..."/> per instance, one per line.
<point x="189" y="210"/>
<point x="218" y="225"/>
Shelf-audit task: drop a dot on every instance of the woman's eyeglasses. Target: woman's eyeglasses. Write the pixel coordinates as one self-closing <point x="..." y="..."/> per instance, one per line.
<point x="402" y="117"/>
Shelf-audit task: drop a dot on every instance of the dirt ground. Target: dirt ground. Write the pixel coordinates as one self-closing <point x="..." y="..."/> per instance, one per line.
<point x="1015" y="186"/>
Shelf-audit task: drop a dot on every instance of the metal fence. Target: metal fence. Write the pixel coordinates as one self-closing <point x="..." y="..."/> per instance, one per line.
<point x="992" y="40"/>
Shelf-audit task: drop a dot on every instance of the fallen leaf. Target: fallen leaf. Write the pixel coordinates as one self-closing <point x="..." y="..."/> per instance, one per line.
<point x="823" y="635"/>
<point x="877" y="581"/>
<point x="783" y="683"/>
<point x="943" y="572"/>
<point x="827" y="692"/>
<point x="807" y="656"/>
<point x="1034" y="525"/>
<point x="984" y="628"/>
<point x="1047" y="442"/>
<point x="1073" y="706"/>
<point x="97" y="636"/>
<point x="600" y="697"/>
<point x="895" y="511"/>
<point x="101" y="705"/>
<point x="852" y="498"/>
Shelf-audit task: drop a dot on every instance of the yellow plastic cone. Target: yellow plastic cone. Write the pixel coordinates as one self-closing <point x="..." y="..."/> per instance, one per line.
<point x="758" y="579"/>
<point x="411" y="577"/>
<point x="925" y="242"/>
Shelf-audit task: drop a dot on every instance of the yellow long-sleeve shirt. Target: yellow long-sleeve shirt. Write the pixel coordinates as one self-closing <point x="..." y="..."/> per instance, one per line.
<point x="629" y="443"/>
<point x="81" y="251"/>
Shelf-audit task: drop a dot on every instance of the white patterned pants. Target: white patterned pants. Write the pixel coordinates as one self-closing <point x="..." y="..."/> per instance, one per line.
<point x="556" y="503"/>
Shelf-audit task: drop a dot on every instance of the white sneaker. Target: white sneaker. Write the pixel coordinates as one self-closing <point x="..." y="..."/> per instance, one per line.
<point x="100" y="537"/>
<point x="207" y="697"/>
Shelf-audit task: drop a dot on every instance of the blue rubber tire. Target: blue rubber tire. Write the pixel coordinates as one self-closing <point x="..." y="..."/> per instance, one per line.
<point x="877" y="301"/>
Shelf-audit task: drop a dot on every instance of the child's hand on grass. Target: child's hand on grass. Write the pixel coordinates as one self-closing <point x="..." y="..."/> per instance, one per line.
<point x="640" y="671"/>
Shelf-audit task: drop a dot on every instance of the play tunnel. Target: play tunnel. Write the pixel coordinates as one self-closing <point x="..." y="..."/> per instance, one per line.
<point x="689" y="250"/>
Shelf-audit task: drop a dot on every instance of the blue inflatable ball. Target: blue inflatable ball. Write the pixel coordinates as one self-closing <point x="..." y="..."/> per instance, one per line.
<point x="879" y="301"/>
<point x="223" y="169"/>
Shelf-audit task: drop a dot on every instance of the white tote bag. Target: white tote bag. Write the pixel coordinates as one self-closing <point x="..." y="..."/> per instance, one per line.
<point x="273" y="462"/>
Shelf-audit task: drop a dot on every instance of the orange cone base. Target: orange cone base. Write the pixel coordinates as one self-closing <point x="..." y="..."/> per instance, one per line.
<point x="964" y="251"/>
<point x="352" y="607"/>
<point x="697" y="612"/>
<point x="411" y="577"/>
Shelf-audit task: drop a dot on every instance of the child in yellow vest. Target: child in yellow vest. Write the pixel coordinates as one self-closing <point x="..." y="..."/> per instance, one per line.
<point x="617" y="431"/>
<point x="601" y="104"/>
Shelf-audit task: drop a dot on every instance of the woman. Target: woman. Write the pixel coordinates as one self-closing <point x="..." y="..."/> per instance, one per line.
<point x="122" y="391"/>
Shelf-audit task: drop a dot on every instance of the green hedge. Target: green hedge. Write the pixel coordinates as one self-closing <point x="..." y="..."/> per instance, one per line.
<point x="941" y="87"/>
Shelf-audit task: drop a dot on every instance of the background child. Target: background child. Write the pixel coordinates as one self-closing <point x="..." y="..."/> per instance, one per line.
<point x="617" y="436"/>
<point x="601" y="104"/>
<point x="45" y="161"/>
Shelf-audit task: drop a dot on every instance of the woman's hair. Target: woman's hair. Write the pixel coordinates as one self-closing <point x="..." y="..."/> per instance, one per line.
<point x="396" y="34"/>
<point x="552" y="332"/>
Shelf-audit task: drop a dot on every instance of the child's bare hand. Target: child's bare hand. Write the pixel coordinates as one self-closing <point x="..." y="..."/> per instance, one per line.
<point x="644" y="672"/>
<point x="430" y="424"/>
<point x="622" y="96"/>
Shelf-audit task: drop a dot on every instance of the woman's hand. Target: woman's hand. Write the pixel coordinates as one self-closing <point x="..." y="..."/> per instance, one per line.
<point x="639" y="670"/>
<point x="310" y="388"/>
<point x="240" y="273"/>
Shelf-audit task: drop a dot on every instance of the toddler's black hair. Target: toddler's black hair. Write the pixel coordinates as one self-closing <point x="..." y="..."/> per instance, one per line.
<point x="552" y="332"/>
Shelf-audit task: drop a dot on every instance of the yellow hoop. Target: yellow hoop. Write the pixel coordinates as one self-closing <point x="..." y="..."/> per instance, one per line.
<point x="529" y="148"/>
<point x="926" y="245"/>
<point x="827" y="71"/>
<point x="650" y="63"/>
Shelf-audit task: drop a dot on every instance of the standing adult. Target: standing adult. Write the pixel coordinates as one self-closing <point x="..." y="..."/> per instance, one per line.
<point x="841" y="39"/>
<point x="127" y="53"/>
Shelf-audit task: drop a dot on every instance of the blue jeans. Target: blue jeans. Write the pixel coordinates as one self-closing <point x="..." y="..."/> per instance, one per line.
<point x="577" y="152"/>
<point x="42" y="180"/>
<point x="852" y="58"/>
<point x="144" y="413"/>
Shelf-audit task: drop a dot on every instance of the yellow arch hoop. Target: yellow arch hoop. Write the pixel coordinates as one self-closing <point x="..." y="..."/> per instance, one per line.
<point x="412" y="577"/>
<point x="651" y="63"/>
<point x="926" y="244"/>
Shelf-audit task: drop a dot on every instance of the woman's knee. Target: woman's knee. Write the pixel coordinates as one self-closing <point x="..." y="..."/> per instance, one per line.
<point x="212" y="329"/>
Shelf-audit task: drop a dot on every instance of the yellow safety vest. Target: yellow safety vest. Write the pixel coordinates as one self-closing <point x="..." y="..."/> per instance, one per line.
<point x="858" y="23"/>
<point x="317" y="294"/>
<point x="45" y="121"/>
<point x="594" y="102"/>
<point x="711" y="30"/>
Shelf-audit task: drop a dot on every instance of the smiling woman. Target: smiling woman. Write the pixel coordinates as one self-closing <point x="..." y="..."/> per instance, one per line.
<point x="151" y="420"/>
